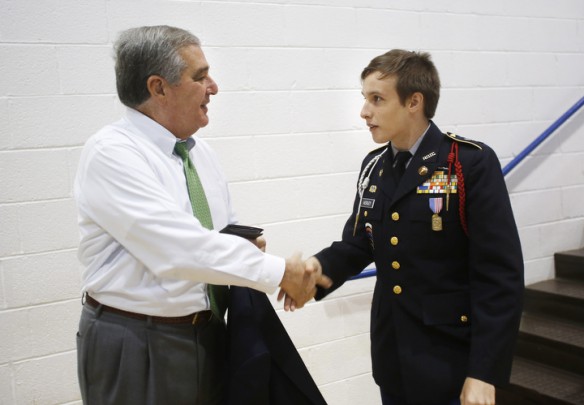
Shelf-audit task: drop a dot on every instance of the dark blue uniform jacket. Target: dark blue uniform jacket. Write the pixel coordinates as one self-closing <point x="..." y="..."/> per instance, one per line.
<point x="445" y="305"/>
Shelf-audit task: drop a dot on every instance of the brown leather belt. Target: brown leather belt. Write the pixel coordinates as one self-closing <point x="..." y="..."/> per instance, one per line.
<point x="196" y="319"/>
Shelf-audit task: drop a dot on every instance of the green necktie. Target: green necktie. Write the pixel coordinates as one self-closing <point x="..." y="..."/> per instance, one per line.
<point x="218" y="294"/>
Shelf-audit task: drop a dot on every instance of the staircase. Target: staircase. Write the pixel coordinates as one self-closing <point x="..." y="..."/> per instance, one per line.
<point x="548" y="367"/>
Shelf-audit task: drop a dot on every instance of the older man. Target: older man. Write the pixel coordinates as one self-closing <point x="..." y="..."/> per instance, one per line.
<point x="151" y="199"/>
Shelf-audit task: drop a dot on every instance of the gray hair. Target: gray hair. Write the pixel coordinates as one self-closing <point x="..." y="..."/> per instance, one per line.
<point x="145" y="51"/>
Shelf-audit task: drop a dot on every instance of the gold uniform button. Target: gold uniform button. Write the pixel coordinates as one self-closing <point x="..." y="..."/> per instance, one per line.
<point x="397" y="290"/>
<point x="393" y="240"/>
<point x="464" y="319"/>
<point x="365" y="214"/>
<point x="395" y="265"/>
<point x="395" y="216"/>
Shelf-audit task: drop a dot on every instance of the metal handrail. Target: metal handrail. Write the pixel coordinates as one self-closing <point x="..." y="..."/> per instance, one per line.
<point x="522" y="155"/>
<point x="544" y="135"/>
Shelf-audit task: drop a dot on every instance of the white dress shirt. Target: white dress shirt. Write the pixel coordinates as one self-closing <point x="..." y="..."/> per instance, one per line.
<point x="142" y="248"/>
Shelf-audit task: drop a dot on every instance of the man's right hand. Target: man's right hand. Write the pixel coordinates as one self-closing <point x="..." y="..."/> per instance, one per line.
<point x="300" y="281"/>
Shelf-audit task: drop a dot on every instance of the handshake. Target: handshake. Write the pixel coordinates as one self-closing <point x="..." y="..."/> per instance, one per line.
<point x="300" y="279"/>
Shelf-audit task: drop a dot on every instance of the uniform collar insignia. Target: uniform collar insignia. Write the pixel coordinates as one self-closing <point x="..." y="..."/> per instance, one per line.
<point x="429" y="155"/>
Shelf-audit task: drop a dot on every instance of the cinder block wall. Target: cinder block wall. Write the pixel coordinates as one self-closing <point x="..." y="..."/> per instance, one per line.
<point x="286" y="126"/>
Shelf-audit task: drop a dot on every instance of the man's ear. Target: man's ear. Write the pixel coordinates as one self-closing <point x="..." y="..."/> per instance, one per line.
<point x="416" y="101"/>
<point x="156" y="86"/>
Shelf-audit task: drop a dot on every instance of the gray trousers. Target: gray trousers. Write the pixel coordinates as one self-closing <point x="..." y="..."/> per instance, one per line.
<point x="127" y="361"/>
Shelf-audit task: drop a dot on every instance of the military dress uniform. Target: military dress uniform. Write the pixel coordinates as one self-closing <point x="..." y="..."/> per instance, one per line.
<point x="447" y="300"/>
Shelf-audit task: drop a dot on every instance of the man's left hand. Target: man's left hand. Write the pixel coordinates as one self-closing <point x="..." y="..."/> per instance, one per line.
<point x="260" y="243"/>
<point x="477" y="392"/>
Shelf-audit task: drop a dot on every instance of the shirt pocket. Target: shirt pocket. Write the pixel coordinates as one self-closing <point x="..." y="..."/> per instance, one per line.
<point x="421" y="211"/>
<point x="434" y="243"/>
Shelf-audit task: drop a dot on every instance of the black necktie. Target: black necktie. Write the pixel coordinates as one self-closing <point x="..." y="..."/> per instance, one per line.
<point x="399" y="164"/>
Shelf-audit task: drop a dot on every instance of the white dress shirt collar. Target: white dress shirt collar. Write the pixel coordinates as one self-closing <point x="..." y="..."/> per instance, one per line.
<point x="154" y="132"/>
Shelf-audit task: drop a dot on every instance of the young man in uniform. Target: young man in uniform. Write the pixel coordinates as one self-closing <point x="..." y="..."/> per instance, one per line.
<point x="433" y="212"/>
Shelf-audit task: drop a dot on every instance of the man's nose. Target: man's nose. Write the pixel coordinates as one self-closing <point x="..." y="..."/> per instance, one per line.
<point x="365" y="112"/>
<point x="212" y="87"/>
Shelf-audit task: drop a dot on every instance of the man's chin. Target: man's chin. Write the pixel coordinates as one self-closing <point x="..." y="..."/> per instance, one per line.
<point x="202" y="122"/>
<point x="380" y="139"/>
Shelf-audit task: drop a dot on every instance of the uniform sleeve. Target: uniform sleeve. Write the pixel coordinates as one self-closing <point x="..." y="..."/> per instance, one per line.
<point x="345" y="258"/>
<point x="495" y="271"/>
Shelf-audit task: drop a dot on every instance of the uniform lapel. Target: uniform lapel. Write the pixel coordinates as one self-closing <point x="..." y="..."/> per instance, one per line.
<point x="421" y="167"/>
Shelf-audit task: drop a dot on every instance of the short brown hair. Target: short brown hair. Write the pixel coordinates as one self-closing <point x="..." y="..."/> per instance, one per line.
<point x="414" y="71"/>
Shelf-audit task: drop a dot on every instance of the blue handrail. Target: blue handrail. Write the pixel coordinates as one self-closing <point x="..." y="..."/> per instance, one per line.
<point x="544" y="135"/>
<point x="364" y="274"/>
<point x="528" y="149"/>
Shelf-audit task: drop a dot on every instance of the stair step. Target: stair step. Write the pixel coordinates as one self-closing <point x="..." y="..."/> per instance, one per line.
<point x="560" y="298"/>
<point x="535" y="383"/>
<point x="570" y="264"/>
<point x="548" y="367"/>
<point x="552" y="341"/>
<point x="553" y="329"/>
<point x="567" y="288"/>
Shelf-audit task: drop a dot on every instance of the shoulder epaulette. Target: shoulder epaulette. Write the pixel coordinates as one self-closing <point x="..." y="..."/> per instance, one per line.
<point x="377" y="151"/>
<point x="459" y="138"/>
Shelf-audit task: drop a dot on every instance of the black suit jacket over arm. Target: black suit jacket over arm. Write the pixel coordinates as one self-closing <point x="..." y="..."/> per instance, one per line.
<point x="265" y="367"/>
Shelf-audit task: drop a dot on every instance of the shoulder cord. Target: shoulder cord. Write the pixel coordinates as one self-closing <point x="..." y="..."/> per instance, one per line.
<point x="453" y="159"/>
<point x="364" y="182"/>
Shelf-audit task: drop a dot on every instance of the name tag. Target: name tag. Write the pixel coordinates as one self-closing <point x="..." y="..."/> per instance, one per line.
<point x="368" y="203"/>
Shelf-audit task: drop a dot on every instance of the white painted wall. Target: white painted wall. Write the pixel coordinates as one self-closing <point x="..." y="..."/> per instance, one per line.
<point x="286" y="126"/>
